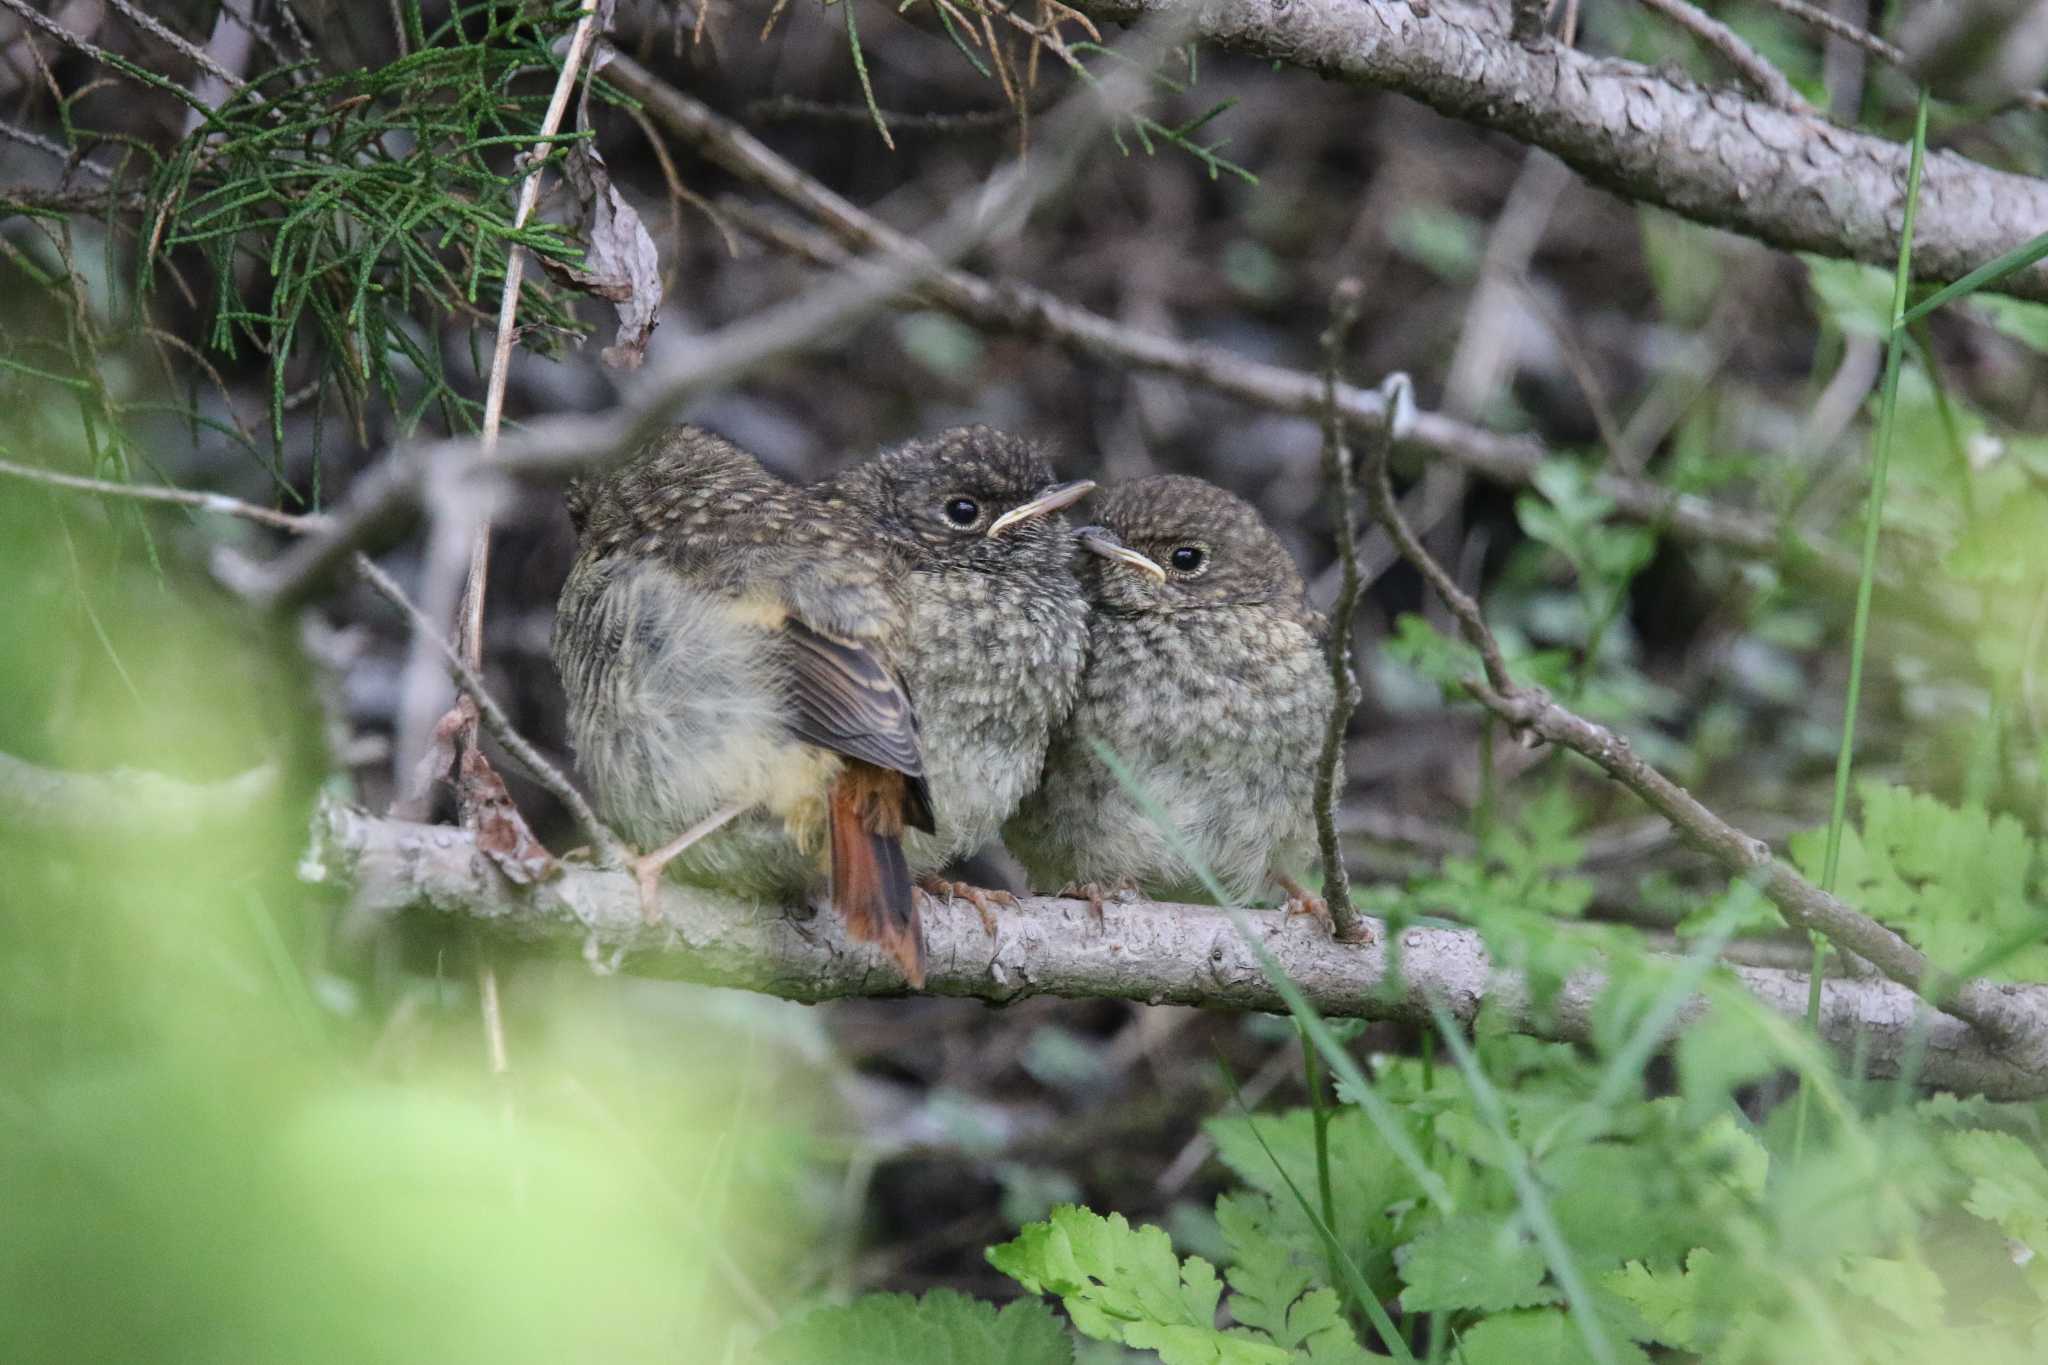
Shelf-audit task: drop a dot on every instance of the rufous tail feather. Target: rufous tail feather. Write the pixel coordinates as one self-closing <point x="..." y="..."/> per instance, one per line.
<point x="871" y="881"/>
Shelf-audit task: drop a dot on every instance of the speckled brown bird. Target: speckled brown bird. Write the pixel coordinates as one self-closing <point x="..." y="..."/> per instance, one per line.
<point x="729" y="648"/>
<point x="996" y="633"/>
<point x="1206" y="676"/>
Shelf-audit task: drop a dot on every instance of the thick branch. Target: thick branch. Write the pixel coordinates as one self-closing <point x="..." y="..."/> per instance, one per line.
<point x="1160" y="954"/>
<point x="1792" y="179"/>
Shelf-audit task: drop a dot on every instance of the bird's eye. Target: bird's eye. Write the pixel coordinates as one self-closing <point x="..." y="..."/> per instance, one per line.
<point x="963" y="511"/>
<point x="1188" y="558"/>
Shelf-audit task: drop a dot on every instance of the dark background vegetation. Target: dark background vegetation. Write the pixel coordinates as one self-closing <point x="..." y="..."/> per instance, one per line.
<point x="935" y="1128"/>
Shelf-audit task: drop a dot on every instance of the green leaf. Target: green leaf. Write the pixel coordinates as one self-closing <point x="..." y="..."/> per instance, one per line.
<point x="1670" y="1302"/>
<point x="1908" y="1290"/>
<point x="1538" y="1336"/>
<point x="1274" y="1293"/>
<point x="1367" y="1182"/>
<point x="2008" y="1184"/>
<point x="941" y="1328"/>
<point x="1124" y="1284"/>
<point x="1473" y="1261"/>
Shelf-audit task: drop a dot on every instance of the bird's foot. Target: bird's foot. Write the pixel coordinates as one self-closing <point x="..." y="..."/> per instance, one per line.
<point x="1096" y="894"/>
<point x="647" y="868"/>
<point x="1086" y="891"/>
<point x="983" y="899"/>
<point x="1302" y="901"/>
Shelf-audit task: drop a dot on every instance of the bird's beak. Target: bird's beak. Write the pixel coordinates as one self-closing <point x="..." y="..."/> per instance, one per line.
<point x="1102" y="541"/>
<point x="1051" y="500"/>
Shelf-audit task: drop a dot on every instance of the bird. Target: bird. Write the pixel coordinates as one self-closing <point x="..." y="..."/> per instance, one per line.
<point x="996" y="633"/>
<point x="1206" y="678"/>
<point x="729" y="648"/>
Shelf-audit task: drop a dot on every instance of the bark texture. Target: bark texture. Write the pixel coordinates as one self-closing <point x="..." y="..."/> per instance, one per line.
<point x="1794" y="179"/>
<point x="1155" y="953"/>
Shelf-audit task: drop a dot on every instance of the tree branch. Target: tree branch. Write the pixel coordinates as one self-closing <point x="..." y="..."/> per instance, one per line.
<point x="1759" y="75"/>
<point x="1035" y="314"/>
<point x="1159" y="954"/>
<point x="1532" y="712"/>
<point x="1794" y="180"/>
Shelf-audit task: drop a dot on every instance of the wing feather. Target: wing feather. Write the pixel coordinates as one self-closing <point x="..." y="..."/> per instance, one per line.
<point x="847" y="699"/>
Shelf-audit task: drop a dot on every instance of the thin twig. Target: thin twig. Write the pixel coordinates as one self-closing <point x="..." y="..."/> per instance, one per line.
<point x="610" y="851"/>
<point x="1345" y="303"/>
<point x="26" y="138"/>
<point x="1534" y="715"/>
<point x="493" y="715"/>
<point x="191" y="51"/>
<point x="790" y="108"/>
<point x="1829" y="22"/>
<point x="91" y="49"/>
<point x="1758" y="74"/>
<point x="472" y="630"/>
<point x="1034" y="313"/>
<point x="204" y="502"/>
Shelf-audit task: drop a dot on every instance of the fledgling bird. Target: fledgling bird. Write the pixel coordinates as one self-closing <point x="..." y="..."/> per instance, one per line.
<point x="1206" y="677"/>
<point x="729" y="650"/>
<point x="996" y="631"/>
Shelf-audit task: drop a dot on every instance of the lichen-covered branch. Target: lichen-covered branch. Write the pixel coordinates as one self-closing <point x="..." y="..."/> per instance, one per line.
<point x="1160" y="954"/>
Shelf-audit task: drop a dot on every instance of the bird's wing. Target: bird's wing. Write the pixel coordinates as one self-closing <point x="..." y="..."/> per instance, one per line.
<point x="849" y="701"/>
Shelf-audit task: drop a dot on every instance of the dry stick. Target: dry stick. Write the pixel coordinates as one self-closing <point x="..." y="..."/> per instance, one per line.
<point x="204" y="502"/>
<point x="1033" y="313"/>
<point x="611" y="852"/>
<point x="1533" y="714"/>
<point x="1758" y="74"/>
<point x="1829" y="22"/>
<point x="1345" y="304"/>
<point x="192" y="52"/>
<point x="493" y="715"/>
<point x="472" y="627"/>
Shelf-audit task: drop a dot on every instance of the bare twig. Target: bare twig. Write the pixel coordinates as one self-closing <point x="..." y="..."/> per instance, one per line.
<point x="791" y="108"/>
<point x="1510" y="460"/>
<point x="1535" y="716"/>
<point x="190" y="51"/>
<point x="1836" y="26"/>
<point x="26" y="138"/>
<point x="1758" y="74"/>
<point x="1345" y="304"/>
<point x="1160" y="953"/>
<point x="610" y="851"/>
<point x="493" y="715"/>
<point x="76" y="43"/>
<point x="204" y="502"/>
<point x="472" y="623"/>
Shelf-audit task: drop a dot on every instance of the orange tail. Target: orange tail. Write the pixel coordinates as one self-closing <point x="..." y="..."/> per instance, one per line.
<point x="870" y="878"/>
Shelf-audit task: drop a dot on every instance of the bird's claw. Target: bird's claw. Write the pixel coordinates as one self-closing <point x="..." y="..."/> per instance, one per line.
<point x="983" y="899"/>
<point x="1302" y="901"/>
<point x="646" y="870"/>
<point x="1086" y="891"/>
